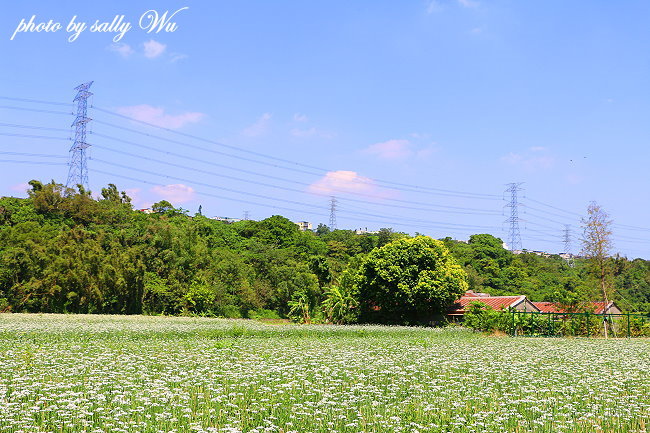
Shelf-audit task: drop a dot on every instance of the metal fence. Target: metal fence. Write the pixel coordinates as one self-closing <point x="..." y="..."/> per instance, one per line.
<point x="537" y="324"/>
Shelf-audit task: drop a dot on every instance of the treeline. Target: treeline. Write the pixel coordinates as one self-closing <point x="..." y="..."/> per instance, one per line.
<point x="63" y="251"/>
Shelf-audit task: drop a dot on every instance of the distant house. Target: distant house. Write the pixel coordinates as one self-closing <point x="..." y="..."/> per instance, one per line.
<point x="519" y="303"/>
<point x="592" y="307"/>
<point x="303" y="226"/>
<point x="365" y="231"/>
<point x="227" y="220"/>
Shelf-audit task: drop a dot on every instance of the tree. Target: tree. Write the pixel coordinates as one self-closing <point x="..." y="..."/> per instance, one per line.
<point x="162" y="206"/>
<point x="322" y="229"/>
<point x="409" y="281"/>
<point x="112" y="194"/>
<point x="596" y="244"/>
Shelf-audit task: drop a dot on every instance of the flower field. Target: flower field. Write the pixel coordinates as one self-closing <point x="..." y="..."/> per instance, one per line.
<point x="155" y="374"/>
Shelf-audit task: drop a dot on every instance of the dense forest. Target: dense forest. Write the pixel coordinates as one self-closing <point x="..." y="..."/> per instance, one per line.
<point x="61" y="250"/>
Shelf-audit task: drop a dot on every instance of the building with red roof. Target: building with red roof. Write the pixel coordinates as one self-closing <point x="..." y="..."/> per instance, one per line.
<point x="519" y="303"/>
<point x="592" y="307"/>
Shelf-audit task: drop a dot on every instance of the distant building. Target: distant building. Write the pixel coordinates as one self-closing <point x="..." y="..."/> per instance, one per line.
<point x="145" y="210"/>
<point x="519" y="303"/>
<point x="365" y="231"/>
<point x="594" y="307"/>
<point x="227" y="220"/>
<point x="303" y="226"/>
<point x="537" y="253"/>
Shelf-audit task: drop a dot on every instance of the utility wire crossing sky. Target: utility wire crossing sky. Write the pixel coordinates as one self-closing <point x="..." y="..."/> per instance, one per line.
<point x="414" y="115"/>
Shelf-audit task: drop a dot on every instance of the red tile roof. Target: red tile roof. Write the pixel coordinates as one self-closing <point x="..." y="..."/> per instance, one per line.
<point x="549" y="307"/>
<point x="599" y="307"/>
<point x="494" y="302"/>
<point x="554" y="307"/>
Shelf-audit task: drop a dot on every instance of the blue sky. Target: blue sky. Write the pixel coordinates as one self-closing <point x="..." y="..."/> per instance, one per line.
<point x="414" y="114"/>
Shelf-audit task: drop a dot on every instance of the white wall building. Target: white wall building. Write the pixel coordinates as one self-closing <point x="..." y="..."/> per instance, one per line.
<point x="303" y="226"/>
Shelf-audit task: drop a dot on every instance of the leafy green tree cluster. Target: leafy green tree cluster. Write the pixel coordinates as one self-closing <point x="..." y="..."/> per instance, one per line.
<point x="408" y="281"/>
<point x="492" y="269"/>
<point x="61" y="250"/>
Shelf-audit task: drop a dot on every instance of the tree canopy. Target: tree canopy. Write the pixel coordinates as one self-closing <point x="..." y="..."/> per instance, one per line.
<point x="409" y="281"/>
<point x="61" y="250"/>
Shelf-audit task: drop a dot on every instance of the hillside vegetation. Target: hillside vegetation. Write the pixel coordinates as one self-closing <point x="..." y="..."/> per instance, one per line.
<point x="63" y="251"/>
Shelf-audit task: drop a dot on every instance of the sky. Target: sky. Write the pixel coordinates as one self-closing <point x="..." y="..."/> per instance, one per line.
<point x="414" y="115"/>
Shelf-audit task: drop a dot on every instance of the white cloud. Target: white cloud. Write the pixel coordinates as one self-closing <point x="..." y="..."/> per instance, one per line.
<point x="123" y="50"/>
<point x="153" y="49"/>
<point x="301" y="133"/>
<point x="529" y="162"/>
<point x="435" y="6"/>
<point x="399" y="149"/>
<point x="391" y="149"/>
<point x="425" y="152"/>
<point x="310" y="132"/>
<point x="156" y="116"/>
<point x="175" y="193"/>
<point x="468" y="3"/>
<point x="175" y="57"/>
<point x="299" y="117"/>
<point x="346" y="181"/>
<point x="21" y="187"/>
<point x="134" y="194"/>
<point x="260" y="127"/>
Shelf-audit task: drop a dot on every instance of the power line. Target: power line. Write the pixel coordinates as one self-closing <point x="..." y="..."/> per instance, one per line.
<point x="551" y="229"/>
<point x="454" y="209"/>
<point x="203" y="193"/>
<point x="413" y="188"/>
<point x="553" y="207"/>
<point x="112" y="174"/>
<point x="39" y="155"/>
<point x="627" y="227"/>
<point x="37" y="101"/>
<point x="41" y="128"/>
<point x="620" y="226"/>
<point x="32" y="162"/>
<point x="419" y="223"/>
<point x="40" y="137"/>
<point x="528" y="207"/>
<point x="400" y="217"/>
<point x="544" y="218"/>
<point x="264" y="197"/>
<point x="298" y="167"/>
<point x="34" y="110"/>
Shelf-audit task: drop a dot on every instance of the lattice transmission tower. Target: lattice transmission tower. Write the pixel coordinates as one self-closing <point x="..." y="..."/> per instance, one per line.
<point x="78" y="165"/>
<point x="567" y="245"/>
<point x="333" y="203"/>
<point x="514" y="236"/>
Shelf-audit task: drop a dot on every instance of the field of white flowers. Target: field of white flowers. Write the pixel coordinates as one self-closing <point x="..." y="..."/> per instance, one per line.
<point x="154" y="374"/>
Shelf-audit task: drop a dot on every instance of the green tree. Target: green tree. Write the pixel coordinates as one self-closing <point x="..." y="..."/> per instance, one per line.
<point x="162" y="207"/>
<point x="409" y="281"/>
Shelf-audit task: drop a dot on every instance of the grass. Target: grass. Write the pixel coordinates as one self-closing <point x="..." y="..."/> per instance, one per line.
<point x="158" y="374"/>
